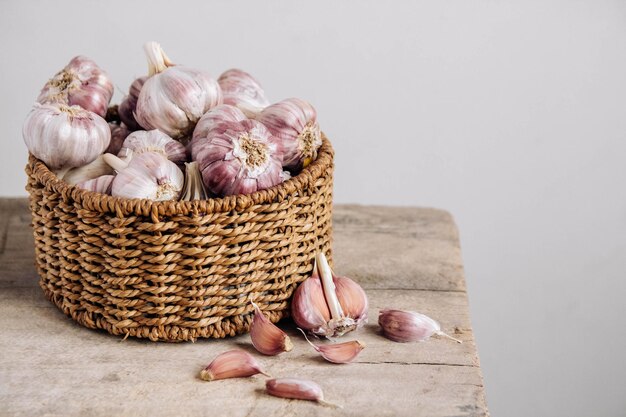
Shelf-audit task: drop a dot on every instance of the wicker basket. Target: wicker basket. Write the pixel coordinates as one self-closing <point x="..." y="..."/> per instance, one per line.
<point x="177" y="271"/>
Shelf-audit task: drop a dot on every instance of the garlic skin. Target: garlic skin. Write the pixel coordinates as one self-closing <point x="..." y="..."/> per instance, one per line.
<point x="148" y="175"/>
<point x="119" y="132"/>
<point x="294" y="123"/>
<point x="338" y="352"/>
<point x="409" y="326"/>
<point x="328" y="305"/>
<point x="266" y="337"/>
<point x="81" y="83"/>
<point x="231" y="364"/>
<point x="238" y="158"/>
<point x="174" y="97"/>
<point x="101" y="184"/>
<point x="216" y="116"/>
<point x="242" y="90"/>
<point x="65" y="136"/>
<point x="127" y="107"/>
<point x="296" y="388"/>
<point x="193" y="188"/>
<point x="142" y="141"/>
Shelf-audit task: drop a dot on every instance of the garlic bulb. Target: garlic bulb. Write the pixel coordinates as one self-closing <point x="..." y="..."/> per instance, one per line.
<point x="216" y="116"/>
<point x="266" y="337"/>
<point x="331" y="306"/>
<point x="127" y="107"/>
<point x="65" y="136"/>
<point x="101" y="184"/>
<point x="238" y="158"/>
<point x="409" y="326"/>
<point x="148" y="175"/>
<point x="193" y="188"/>
<point x="240" y="89"/>
<point x="234" y="363"/>
<point x="119" y="132"/>
<point x="142" y="141"/>
<point x="81" y="83"/>
<point x="294" y="123"/>
<point x="174" y="97"/>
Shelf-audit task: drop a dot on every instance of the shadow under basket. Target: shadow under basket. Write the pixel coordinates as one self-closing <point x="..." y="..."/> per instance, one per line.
<point x="178" y="271"/>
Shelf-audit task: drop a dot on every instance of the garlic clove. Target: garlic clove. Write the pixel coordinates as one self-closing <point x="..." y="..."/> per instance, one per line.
<point x="296" y="388"/>
<point x="231" y="364"/>
<point x="193" y="188"/>
<point x="338" y="352"/>
<point x="409" y="326"/>
<point x="101" y="184"/>
<point x="308" y="305"/>
<point x="155" y="141"/>
<point x="266" y="337"/>
<point x="128" y="105"/>
<point x="242" y="90"/>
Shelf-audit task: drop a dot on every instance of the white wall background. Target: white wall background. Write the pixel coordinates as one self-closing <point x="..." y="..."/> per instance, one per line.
<point x="511" y="115"/>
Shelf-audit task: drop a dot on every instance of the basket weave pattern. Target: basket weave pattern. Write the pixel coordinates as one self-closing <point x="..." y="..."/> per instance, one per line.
<point x="177" y="271"/>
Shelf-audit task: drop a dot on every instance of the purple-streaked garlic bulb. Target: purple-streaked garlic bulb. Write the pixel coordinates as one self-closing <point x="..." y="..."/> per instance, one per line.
<point x="65" y="136"/>
<point x="148" y="175"/>
<point x="242" y="90"/>
<point x="215" y="116"/>
<point x="142" y="141"/>
<point x="81" y="83"/>
<point x="119" y="132"/>
<point x="238" y="158"/>
<point x="101" y="184"/>
<point x="294" y="122"/>
<point x="174" y="97"/>
<point x="127" y="107"/>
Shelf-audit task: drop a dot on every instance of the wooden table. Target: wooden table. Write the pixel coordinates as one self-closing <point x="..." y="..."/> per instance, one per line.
<point x="406" y="258"/>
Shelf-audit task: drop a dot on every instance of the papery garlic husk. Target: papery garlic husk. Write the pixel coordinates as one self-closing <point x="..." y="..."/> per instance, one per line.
<point x="126" y="109"/>
<point x="286" y="175"/>
<point x="294" y="123"/>
<point x="266" y="337"/>
<point x="174" y="97"/>
<point x="232" y="364"/>
<point x="328" y="305"/>
<point x="238" y="158"/>
<point x="338" y="352"/>
<point x="65" y="136"/>
<point x="216" y="116"/>
<point x="242" y="90"/>
<point x="119" y="132"/>
<point x="148" y="175"/>
<point x="142" y="141"/>
<point x="193" y="188"/>
<point x="409" y="326"/>
<point x="101" y="184"/>
<point x="296" y="388"/>
<point x="81" y="83"/>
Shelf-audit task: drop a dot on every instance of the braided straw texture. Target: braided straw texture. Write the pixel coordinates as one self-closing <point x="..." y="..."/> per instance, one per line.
<point x="177" y="271"/>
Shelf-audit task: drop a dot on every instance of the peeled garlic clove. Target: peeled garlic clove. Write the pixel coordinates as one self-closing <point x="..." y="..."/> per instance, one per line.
<point x="101" y="184"/>
<point x="214" y="117"/>
<point x="338" y="352"/>
<point x="193" y="188"/>
<point x="294" y="123"/>
<point x="81" y="83"/>
<point x="295" y="388"/>
<point x="242" y="90"/>
<point x="142" y="141"/>
<point x="238" y="158"/>
<point x="231" y="364"/>
<point x="94" y="169"/>
<point x="148" y="175"/>
<point x="329" y="305"/>
<point x="174" y="97"/>
<point x="127" y="107"/>
<point x="119" y="132"/>
<point x="409" y="326"/>
<point x="65" y="136"/>
<point x="266" y="337"/>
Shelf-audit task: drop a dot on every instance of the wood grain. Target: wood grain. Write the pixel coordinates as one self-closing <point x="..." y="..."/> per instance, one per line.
<point x="405" y="257"/>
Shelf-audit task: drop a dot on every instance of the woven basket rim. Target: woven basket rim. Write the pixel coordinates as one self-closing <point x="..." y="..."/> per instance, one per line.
<point x="145" y="207"/>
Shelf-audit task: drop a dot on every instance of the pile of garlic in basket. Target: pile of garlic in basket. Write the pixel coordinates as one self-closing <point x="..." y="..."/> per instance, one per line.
<point x="224" y="133"/>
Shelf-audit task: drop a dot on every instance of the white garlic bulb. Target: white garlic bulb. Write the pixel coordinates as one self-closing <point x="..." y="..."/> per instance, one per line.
<point x="81" y="83"/>
<point x="242" y="90"/>
<point x="238" y="158"/>
<point x="294" y="122"/>
<point x="148" y="175"/>
<point x="65" y="136"/>
<point x="101" y="184"/>
<point x="174" y="97"/>
<point x="215" y="116"/>
<point x="127" y="107"/>
<point x="142" y="141"/>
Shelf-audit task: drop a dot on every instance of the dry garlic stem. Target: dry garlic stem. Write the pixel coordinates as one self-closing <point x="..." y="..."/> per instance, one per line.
<point x="409" y="326"/>
<point x="295" y="388"/>
<point x="232" y="364"/>
<point x="193" y="188"/>
<point x="266" y="337"/>
<point x="338" y="352"/>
